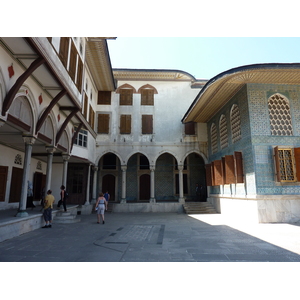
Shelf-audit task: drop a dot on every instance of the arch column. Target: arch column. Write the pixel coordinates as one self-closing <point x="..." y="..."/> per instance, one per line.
<point x="65" y="157"/>
<point x="87" y="201"/>
<point x="29" y="141"/>
<point x="50" y="151"/>
<point x="123" y="197"/>
<point x="152" y="184"/>
<point x="181" y="194"/>
<point x="95" y="169"/>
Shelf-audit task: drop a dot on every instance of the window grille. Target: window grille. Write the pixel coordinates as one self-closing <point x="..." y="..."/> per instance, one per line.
<point x="235" y="120"/>
<point x="223" y="132"/>
<point x="214" y="139"/>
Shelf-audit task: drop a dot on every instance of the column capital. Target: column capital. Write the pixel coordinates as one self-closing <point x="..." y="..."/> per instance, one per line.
<point x="123" y="168"/>
<point x="180" y="167"/>
<point x="152" y="168"/>
<point x="29" y="139"/>
<point x="95" y="168"/>
<point x="50" y="149"/>
<point x="65" y="156"/>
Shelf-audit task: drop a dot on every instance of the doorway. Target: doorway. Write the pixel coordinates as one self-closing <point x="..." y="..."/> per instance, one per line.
<point x="109" y="184"/>
<point x="144" y="187"/>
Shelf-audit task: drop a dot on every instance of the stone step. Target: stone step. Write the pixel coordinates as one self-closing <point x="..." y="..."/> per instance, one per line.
<point x="199" y="208"/>
<point x="66" y="217"/>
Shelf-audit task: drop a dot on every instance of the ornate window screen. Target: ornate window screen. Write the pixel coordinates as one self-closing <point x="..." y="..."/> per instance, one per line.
<point x="214" y="139"/>
<point x="280" y="116"/>
<point x="284" y="160"/>
<point x="223" y="132"/>
<point x="235" y="121"/>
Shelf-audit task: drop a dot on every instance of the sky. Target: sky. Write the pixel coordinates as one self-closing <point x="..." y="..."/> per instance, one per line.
<point x="202" y="57"/>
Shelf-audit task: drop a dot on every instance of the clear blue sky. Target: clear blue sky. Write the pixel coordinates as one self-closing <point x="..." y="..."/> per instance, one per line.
<point x="202" y="57"/>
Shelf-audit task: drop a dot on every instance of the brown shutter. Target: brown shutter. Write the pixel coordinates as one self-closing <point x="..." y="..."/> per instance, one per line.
<point x="147" y="97"/>
<point x="297" y="162"/>
<point x="3" y="182"/>
<point x="92" y="117"/>
<point x="125" y="124"/>
<point x="218" y="174"/>
<point x="16" y="187"/>
<point x="104" y="97"/>
<point x="79" y="75"/>
<point x="239" y="167"/>
<point x="73" y="61"/>
<point x="208" y="175"/>
<point x="103" y="123"/>
<point x="147" y="124"/>
<point x="126" y="96"/>
<point x="189" y="128"/>
<point x="85" y="106"/>
<point x="63" y="50"/>
<point x="229" y="169"/>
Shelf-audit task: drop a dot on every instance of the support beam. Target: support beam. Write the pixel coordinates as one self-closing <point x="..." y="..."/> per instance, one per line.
<point x="15" y="88"/>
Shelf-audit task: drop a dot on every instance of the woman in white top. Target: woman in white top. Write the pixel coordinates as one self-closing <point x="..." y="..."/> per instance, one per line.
<point x="101" y="206"/>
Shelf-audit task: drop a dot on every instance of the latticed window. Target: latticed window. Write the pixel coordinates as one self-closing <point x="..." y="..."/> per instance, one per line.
<point x="18" y="159"/>
<point x="214" y="138"/>
<point x="235" y="121"/>
<point x="280" y="115"/>
<point x="285" y="170"/>
<point x="223" y="132"/>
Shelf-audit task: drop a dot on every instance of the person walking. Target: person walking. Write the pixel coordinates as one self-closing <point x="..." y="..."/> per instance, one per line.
<point x="107" y="196"/>
<point x="101" y="206"/>
<point x="48" y="206"/>
<point x="63" y="198"/>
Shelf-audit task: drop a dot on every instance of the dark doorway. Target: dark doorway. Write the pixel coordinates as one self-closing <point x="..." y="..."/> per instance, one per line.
<point x="39" y="183"/>
<point x="145" y="187"/>
<point x="108" y="184"/>
<point x="16" y="185"/>
<point x="3" y="181"/>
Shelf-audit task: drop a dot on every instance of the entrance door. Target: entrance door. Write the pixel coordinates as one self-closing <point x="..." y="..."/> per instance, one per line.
<point x="39" y="183"/>
<point x="145" y="187"/>
<point x="3" y="181"/>
<point x="16" y="185"/>
<point x="108" y="184"/>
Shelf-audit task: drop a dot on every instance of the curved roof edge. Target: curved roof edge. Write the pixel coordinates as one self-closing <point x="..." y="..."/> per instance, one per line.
<point x="156" y="71"/>
<point x="239" y="69"/>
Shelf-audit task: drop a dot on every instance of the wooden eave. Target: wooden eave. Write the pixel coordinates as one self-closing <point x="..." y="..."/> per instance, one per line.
<point x="221" y="88"/>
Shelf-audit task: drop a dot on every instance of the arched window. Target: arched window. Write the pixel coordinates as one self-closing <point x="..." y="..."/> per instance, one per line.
<point x="280" y="115"/>
<point x="214" y="139"/>
<point x="223" y="132"/>
<point x="235" y="121"/>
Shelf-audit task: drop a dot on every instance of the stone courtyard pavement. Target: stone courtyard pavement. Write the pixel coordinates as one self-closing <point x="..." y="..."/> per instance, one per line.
<point x="156" y="237"/>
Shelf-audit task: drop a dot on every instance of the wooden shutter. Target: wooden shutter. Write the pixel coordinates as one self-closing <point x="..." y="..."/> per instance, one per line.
<point x="218" y="172"/>
<point x="125" y="124"/>
<point x="16" y="185"/>
<point x="297" y="162"/>
<point x="73" y="61"/>
<point x="3" y="182"/>
<point x="104" y="97"/>
<point x="147" y="97"/>
<point x="64" y="50"/>
<point x="189" y="128"/>
<point x="147" y="124"/>
<point x="208" y="175"/>
<point x="126" y="96"/>
<point x="79" y="75"/>
<point x="85" y="105"/>
<point x="239" y="167"/>
<point x="229" y="167"/>
<point x="92" y="117"/>
<point x="103" y="123"/>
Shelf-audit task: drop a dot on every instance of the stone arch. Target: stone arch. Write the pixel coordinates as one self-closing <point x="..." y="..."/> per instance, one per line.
<point x="2" y="88"/>
<point x="122" y="162"/>
<point x="147" y="86"/>
<point x="49" y="128"/>
<point x="137" y="152"/>
<point x="125" y="86"/>
<point x="168" y="152"/>
<point x="197" y="152"/>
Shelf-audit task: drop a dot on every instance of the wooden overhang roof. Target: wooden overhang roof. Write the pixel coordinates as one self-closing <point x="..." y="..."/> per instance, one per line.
<point x="221" y="88"/>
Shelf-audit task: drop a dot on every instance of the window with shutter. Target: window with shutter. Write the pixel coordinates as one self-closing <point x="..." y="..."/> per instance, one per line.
<point x="229" y="169"/>
<point x="147" y="124"/>
<point x="103" y="123"/>
<point x="218" y="172"/>
<point x="297" y="162"/>
<point x="208" y="175"/>
<point x="64" y="50"/>
<point x="73" y="61"/>
<point x="79" y="75"/>
<point x="189" y="128"/>
<point x="147" y="97"/>
<point x="85" y="105"/>
<point x="104" y="98"/>
<point x="92" y="117"/>
<point x="284" y="162"/>
<point x="126" y="96"/>
<point x="239" y="167"/>
<point x="125" y="124"/>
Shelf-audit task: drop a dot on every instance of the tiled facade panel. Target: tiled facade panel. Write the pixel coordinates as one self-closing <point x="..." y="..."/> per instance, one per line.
<point x="262" y="140"/>
<point x="243" y="145"/>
